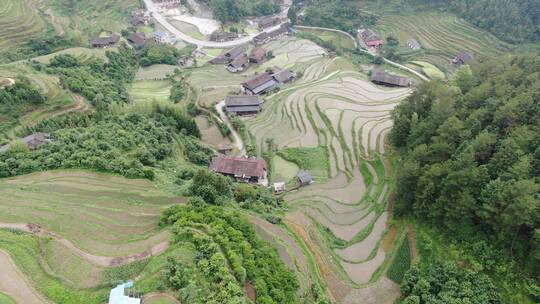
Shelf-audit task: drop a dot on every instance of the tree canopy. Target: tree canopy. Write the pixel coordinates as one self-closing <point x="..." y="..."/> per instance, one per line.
<point x="471" y="155"/>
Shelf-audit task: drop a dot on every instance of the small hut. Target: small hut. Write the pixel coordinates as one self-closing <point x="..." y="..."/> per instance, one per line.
<point x="304" y="178"/>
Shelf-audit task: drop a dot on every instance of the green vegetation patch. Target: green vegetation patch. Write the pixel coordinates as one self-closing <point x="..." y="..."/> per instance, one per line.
<point x="5" y="299"/>
<point x="282" y="170"/>
<point x="150" y="90"/>
<point x="315" y="160"/>
<point x="430" y="70"/>
<point x="401" y="262"/>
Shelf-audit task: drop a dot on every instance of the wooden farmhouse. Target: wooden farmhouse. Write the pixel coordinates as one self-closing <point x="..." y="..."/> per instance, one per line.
<point x="238" y="64"/>
<point x="33" y="141"/>
<point x="243" y="104"/>
<point x="104" y="42"/>
<point x="383" y="78"/>
<point x="257" y="55"/>
<point x="260" y="84"/>
<point x="245" y="169"/>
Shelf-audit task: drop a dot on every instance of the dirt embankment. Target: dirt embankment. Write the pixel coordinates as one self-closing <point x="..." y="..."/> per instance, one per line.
<point x="95" y="259"/>
<point x="14" y="283"/>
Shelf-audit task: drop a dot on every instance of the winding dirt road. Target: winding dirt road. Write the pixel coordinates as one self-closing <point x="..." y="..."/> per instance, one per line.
<point x="95" y="259"/>
<point x="15" y="284"/>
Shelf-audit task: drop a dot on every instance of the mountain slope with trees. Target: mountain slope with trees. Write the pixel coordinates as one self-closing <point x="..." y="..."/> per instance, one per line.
<point x="471" y="160"/>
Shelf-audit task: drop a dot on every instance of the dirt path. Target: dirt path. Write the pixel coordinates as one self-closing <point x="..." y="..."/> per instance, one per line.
<point x="79" y="105"/>
<point x="237" y="138"/>
<point x="95" y="259"/>
<point x="15" y="284"/>
<point x="411" y="234"/>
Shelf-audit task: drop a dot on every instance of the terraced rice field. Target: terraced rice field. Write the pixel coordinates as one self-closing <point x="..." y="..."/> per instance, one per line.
<point x="144" y="90"/>
<point x="441" y="36"/>
<point x="121" y="220"/>
<point x="344" y="219"/>
<point x="19" y="21"/>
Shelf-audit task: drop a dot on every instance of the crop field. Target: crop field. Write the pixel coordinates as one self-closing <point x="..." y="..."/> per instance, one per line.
<point x="188" y="28"/>
<point x="82" y="19"/>
<point x="122" y="220"/>
<point x="155" y="72"/>
<point x="158" y="90"/>
<point x="283" y="170"/>
<point x="441" y="36"/>
<point x="335" y="38"/>
<point x="19" y="21"/>
<point x="341" y="219"/>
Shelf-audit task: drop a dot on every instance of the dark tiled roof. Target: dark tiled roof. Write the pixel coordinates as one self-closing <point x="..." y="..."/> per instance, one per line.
<point x="386" y="78"/>
<point x="243" y="100"/>
<point x="238" y="166"/>
<point x="258" y="54"/>
<point x="104" y="41"/>
<point x="257" y="81"/>
<point x="234" y="52"/>
<point x="32" y="141"/>
<point x="369" y="35"/>
<point x="304" y="177"/>
<point x="240" y="61"/>
<point x="282" y="76"/>
<point x="137" y="38"/>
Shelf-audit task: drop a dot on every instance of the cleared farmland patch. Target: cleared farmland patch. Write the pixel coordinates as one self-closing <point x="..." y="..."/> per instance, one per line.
<point x="158" y="90"/>
<point x="100" y="214"/>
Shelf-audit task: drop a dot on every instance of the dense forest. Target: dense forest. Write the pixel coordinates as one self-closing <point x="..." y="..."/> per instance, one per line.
<point x="471" y="160"/>
<point x="234" y="10"/>
<point x="513" y="21"/>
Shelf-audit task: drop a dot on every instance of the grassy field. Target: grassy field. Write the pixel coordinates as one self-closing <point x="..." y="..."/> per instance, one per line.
<point x="19" y="21"/>
<point x="5" y="299"/>
<point x="282" y="170"/>
<point x="158" y="90"/>
<point x="155" y="72"/>
<point x="121" y="220"/>
<point x="429" y="69"/>
<point x="340" y="40"/>
<point x="441" y="36"/>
